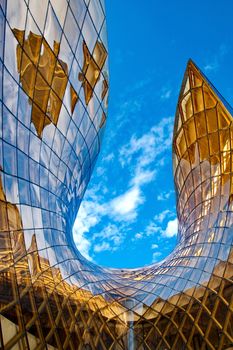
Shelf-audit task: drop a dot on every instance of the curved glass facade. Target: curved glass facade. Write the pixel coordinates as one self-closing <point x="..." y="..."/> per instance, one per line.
<point x="54" y="88"/>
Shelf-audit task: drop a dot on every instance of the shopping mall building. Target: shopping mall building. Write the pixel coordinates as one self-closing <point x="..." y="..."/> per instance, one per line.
<point x="54" y="91"/>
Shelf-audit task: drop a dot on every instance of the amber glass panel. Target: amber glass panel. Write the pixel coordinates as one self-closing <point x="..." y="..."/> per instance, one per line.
<point x="200" y="124"/>
<point x="181" y="143"/>
<point x="225" y="144"/>
<point x="214" y="143"/>
<point x="224" y="119"/>
<point x="187" y="106"/>
<point x="211" y="119"/>
<point x="190" y="131"/>
<point x="210" y="100"/>
<point x="195" y="79"/>
<point x="198" y="103"/>
<point x="226" y="162"/>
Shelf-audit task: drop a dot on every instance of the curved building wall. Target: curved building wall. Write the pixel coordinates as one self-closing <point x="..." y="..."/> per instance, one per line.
<point x="54" y="87"/>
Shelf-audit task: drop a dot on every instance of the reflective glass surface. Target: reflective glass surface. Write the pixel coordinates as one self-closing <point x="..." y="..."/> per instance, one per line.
<point x="54" y="91"/>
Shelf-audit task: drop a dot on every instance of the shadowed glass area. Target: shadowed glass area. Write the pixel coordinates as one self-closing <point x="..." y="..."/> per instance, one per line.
<point x="53" y="111"/>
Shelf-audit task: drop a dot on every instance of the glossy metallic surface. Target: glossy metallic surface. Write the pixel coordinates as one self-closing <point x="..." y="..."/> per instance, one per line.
<point x="54" y="87"/>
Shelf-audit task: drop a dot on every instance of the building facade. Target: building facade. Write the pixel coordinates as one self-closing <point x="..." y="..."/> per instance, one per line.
<point x="54" y="90"/>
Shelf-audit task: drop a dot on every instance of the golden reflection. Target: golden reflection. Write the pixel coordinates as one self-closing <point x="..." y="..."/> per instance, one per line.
<point x="43" y="77"/>
<point x="50" y="296"/>
<point x="92" y="67"/>
<point x="203" y="138"/>
<point x="73" y="98"/>
<point x="11" y="231"/>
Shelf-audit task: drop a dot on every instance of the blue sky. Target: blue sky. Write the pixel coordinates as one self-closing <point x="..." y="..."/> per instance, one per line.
<point x="128" y="215"/>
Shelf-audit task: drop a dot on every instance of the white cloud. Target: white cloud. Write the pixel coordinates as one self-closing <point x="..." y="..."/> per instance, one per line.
<point x="89" y="215"/>
<point x="160" y="221"/>
<point x="142" y="177"/>
<point x="171" y="229"/>
<point x="110" y="238"/>
<point x="155" y="256"/>
<point x="152" y="228"/>
<point x="166" y="93"/>
<point x="82" y="243"/>
<point x="140" y="154"/>
<point x="214" y="65"/>
<point x="108" y="158"/>
<point x="217" y="58"/>
<point x="150" y="145"/>
<point x="81" y="226"/>
<point x="159" y="218"/>
<point x="154" y="246"/>
<point x="121" y="209"/>
<point x="138" y="235"/>
<point x="100" y="171"/>
<point x="163" y="196"/>
<point x="101" y="247"/>
<point x="126" y="204"/>
<point x="126" y="108"/>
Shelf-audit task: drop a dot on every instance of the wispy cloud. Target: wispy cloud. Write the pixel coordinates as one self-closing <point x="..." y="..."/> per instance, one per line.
<point x="139" y="155"/>
<point x="108" y="158"/>
<point x="110" y="238"/>
<point x="154" y="246"/>
<point x="214" y="63"/>
<point x="127" y="108"/>
<point x="142" y="176"/>
<point x="148" y="142"/>
<point x="100" y="247"/>
<point x="165" y="214"/>
<point x="163" y="196"/>
<point x="144" y="150"/>
<point x="137" y="236"/>
<point x="152" y="228"/>
<point x="120" y="56"/>
<point x="156" y="256"/>
<point x="121" y="209"/>
<point x="165" y="93"/>
<point x="164" y="224"/>
<point x="126" y="204"/>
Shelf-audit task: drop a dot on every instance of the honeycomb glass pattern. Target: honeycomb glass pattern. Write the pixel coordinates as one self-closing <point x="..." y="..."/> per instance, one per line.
<point x="54" y="91"/>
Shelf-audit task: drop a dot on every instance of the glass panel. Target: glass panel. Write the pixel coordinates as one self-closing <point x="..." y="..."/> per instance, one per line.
<point x="210" y="100"/>
<point x="198" y="103"/>
<point x="190" y="132"/>
<point x="214" y="143"/>
<point x="224" y="119"/>
<point x="200" y="121"/>
<point x="211" y="119"/>
<point x="187" y="106"/>
<point x="203" y="148"/>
